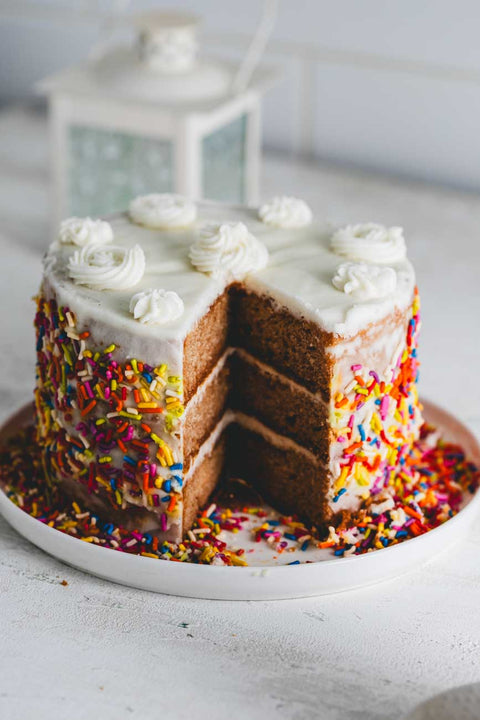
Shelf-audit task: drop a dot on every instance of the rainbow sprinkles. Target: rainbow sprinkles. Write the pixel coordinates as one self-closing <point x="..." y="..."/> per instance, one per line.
<point x="119" y="453"/>
<point x="390" y="422"/>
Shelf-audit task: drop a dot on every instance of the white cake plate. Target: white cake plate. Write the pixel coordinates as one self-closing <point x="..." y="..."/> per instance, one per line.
<point x="269" y="576"/>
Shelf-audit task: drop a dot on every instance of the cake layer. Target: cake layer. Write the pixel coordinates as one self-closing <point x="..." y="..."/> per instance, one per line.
<point x="288" y="476"/>
<point x="255" y="322"/>
<point x="205" y="409"/>
<point x="293" y="345"/>
<point x="280" y="403"/>
<point x="206" y="477"/>
<point x="205" y="344"/>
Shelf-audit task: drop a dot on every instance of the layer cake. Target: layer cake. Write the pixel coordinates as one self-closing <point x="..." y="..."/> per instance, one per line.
<point x="178" y="343"/>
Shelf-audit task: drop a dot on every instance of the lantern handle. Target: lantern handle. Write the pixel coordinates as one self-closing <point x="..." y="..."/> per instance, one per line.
<point x="115" y="19"/>
<point x="257" y="47"/>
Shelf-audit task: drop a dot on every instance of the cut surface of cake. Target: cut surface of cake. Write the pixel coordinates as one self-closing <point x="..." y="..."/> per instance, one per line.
<point x="179" y="343"/>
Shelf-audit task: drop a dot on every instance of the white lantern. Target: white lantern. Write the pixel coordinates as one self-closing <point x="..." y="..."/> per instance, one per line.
<point x="152" y="117"/>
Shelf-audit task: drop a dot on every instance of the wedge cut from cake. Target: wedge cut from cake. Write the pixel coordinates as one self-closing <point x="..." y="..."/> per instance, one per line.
<point x="180" y="343"/>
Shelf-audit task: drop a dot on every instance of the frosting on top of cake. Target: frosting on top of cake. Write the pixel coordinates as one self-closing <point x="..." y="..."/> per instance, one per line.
<point x="156" y="306"/>
<point x="163" y="210"/>
<point x="228" y="250"/>
<point x="284" y="211"/>
<point x="298" y="274"/>
<point x="370" y="242"/>
<point x="364" y="281"/>
<point x="82" y="231"/>
<point x="107" y="268"/>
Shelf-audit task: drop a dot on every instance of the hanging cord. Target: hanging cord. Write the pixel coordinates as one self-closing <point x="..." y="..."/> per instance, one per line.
<point x="257" y="47"/>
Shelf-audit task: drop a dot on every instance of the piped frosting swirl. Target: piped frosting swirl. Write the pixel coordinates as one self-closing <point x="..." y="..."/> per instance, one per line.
<point x="163" y="211"/>
<point x="370" y="242"/>
<point x="284" y="211"/>
<point x="83" y="231"/>
<point x="156" y="306"/>
<point x="228" y="249"/>
<point x="364" y="281"/>
<point x="112" y="268"/>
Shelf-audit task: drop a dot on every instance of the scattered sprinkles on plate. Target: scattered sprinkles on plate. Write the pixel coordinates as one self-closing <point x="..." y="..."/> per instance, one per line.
<point x="429" y="488"/>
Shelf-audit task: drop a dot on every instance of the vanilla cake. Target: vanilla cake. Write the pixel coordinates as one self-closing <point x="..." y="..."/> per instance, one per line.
<point x="179" y="343"/>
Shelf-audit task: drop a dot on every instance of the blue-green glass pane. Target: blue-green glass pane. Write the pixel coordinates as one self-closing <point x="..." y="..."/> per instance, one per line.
<point x="108" y="168"/>
<point x="224" y="158"/>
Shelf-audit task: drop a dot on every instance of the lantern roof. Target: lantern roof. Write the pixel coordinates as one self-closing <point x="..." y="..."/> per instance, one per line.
<point x="169" y="92"/>
<point x="160" y="68"/>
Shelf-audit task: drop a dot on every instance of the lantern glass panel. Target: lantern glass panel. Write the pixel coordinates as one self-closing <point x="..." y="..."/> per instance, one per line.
<point x="224" y="156"/>
<point x="108" y="168"/>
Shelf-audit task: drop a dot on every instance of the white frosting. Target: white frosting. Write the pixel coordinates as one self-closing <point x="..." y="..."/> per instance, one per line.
<point x="83" y="231"/>
<point x="156" y="306"/>
<point x="298" y="275"/>
<point x="163" y="210"/>
<point x="286" y="212"/>
<point x="112" y="268"/>
<point x="228" y="249"/>
<point x="370" y="242"/>
<point x="363" y="281"/>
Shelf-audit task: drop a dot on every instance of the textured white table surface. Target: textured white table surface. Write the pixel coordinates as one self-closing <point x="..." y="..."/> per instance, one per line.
<point x="94" y="649"/>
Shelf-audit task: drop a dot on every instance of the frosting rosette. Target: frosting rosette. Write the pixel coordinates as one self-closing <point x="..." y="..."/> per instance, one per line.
<point x="370" y="242"/>
<point x="284" y="211"/>
<point x="156" y="306"/>
<point x="112" y="268"/>
<point x="363" y="281"/>
<point x="163" y="210"/>
<point x="229" y="248"/>
<point x="83" y="231"/>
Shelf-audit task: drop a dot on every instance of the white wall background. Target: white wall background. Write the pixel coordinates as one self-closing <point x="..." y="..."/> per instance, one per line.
<point x="392" y="85"/>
